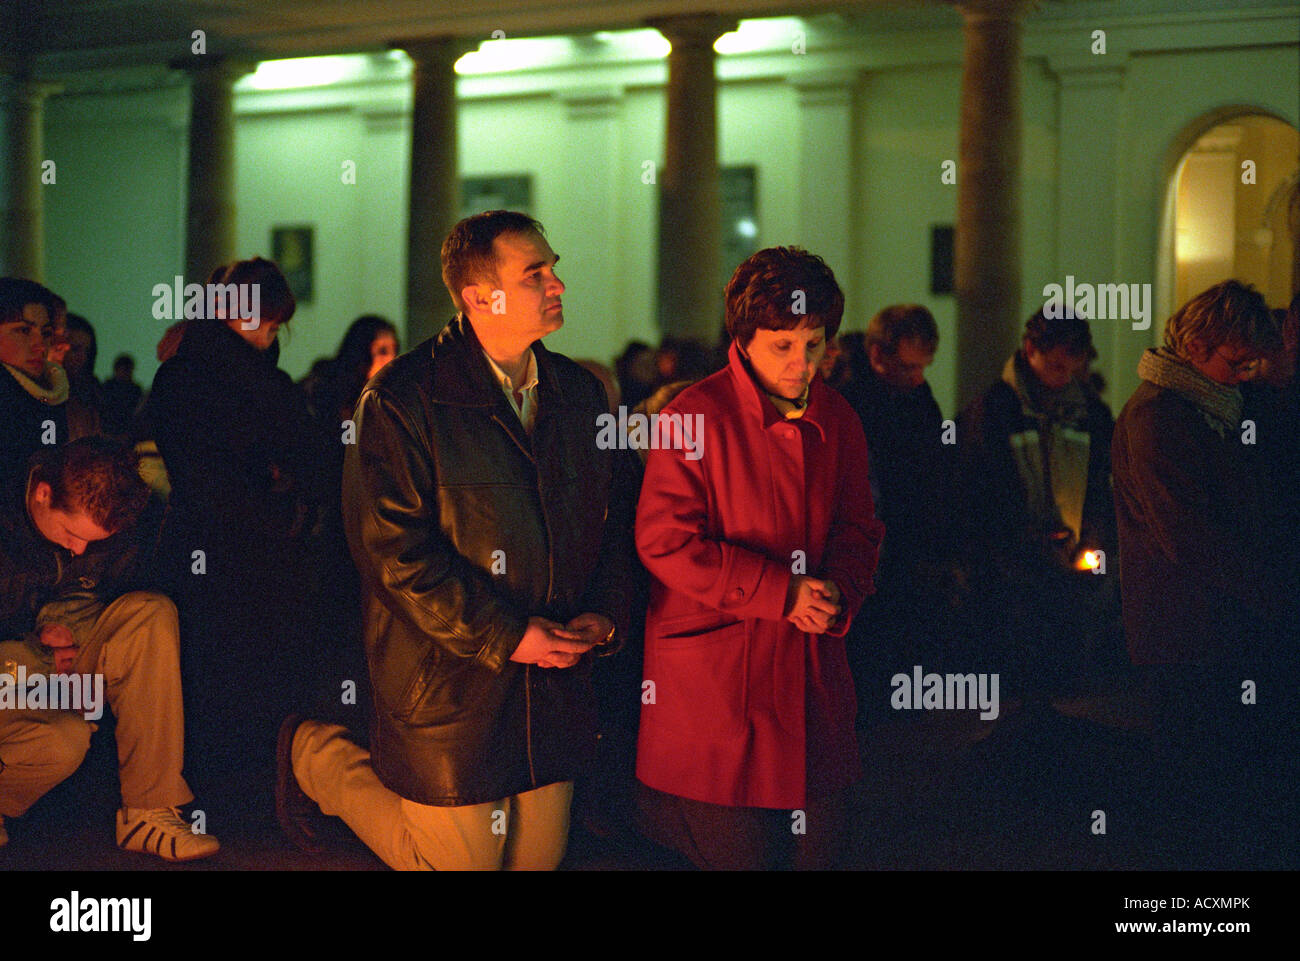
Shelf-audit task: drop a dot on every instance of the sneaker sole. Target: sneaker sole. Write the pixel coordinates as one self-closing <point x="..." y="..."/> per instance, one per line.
<point x="175" y="858"/>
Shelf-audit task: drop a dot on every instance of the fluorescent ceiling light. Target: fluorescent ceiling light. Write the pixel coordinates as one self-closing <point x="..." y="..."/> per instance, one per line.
<point x="770" y="33"/>
<point x="304" y="72"/>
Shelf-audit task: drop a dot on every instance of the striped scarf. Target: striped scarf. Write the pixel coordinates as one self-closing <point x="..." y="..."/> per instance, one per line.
<point x="1219" y="403"/>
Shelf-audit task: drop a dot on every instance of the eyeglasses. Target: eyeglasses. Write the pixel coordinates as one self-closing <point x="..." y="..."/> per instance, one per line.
<point x="1248" y="366"/>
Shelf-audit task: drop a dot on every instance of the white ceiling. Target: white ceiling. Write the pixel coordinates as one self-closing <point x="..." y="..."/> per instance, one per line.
<point x="66" y="35"/>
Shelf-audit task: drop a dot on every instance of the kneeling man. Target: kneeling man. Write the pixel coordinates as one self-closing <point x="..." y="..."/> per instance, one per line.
<point x="63" y="609"/>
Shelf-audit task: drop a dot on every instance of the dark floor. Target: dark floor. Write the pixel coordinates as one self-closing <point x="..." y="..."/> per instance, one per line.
<point x="943" y="791"/>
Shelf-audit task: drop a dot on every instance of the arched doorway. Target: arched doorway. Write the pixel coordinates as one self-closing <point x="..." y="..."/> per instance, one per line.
<point x="1232" y="209"/>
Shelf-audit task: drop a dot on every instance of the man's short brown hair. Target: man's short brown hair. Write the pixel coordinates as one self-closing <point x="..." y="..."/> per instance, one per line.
<point x="1228" y="313"/>
<point x="781" y="288"/>
<point x="1064" y="328"/>
<point x="96" y="475"/>
<point x="469" y="255"/>
<point x="900" y="322"/>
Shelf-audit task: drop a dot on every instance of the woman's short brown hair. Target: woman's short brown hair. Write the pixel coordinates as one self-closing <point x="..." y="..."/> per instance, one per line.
<point x="781" y="288"/>
<point x="1227" y="313"/>
<point x="274" y="296"/>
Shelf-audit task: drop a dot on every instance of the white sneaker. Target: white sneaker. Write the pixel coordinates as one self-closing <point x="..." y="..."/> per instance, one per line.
<point x="163" y="833"/>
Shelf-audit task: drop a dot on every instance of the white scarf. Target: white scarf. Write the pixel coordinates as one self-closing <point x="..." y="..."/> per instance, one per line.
<point x="55" y="394"/>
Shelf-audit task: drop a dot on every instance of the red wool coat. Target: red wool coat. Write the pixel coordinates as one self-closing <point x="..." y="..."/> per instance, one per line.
<point x="745" y="709"/>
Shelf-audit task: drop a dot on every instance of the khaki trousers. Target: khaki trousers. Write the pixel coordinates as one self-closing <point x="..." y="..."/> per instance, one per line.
<point x="134" y="643"/>
<point x="526" y="832"/>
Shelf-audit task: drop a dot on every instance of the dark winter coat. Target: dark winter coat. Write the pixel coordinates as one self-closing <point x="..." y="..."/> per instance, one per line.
<point x="247" y="462"/>
<point x="251" y="472"/>
<point x="462" y="527"/>
<point x="1192" y="534"/>
<point x="999" y="532"/>
<point x="911" y="474"/>
<point x="24" y="427"/>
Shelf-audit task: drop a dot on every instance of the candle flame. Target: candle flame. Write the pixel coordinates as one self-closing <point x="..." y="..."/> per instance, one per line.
<point x="1088" y="561"/>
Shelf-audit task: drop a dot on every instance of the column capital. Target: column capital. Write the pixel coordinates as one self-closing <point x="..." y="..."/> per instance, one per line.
<point x="23" y="89"/>
<point x="434" y="51"/>
<point x="697" y="30"/>
<point x="1089" y="70"/>
<point x="977" y="11"/>
<point x="209" y="69"/>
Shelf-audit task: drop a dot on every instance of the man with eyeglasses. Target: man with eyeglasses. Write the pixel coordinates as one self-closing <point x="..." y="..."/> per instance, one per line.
<point x="1200" y="581"/>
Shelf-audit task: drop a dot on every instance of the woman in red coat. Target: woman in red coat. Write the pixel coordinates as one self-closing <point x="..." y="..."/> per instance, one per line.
<point x="756" y="525"/>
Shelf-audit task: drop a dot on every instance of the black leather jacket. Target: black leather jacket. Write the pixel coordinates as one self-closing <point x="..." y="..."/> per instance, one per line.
<point x="462" y="527"/>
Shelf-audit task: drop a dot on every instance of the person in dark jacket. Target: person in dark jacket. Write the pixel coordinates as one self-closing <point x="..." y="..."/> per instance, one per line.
<point x="250" y="474"/>
<point x="1203" y="575"/>
<point x="369" y="344"/>
<point x="85" y="393"/>
<point x="905" y="622"/>
<point x="1034" y="473"/>
<point x="33" y="391"/>
<point x="121" y="396"/>
<point x="70" y="547"/>
<point x="481" y="516"/>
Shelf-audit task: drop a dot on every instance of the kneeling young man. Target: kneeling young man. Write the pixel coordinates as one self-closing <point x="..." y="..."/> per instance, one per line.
<point x="63" y="610"/>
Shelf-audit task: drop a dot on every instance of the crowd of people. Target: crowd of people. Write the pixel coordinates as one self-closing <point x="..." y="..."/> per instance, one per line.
<point x="416" y="593"/>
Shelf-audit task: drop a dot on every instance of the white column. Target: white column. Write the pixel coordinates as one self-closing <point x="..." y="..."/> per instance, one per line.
<point x="22" y="204"/>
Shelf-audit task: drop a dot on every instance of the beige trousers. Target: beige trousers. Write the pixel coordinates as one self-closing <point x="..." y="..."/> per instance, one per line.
<point x="134" y="643"/>
<point x="526" y="832"/>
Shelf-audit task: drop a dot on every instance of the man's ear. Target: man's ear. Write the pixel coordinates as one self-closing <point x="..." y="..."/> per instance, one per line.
<point x="477" y="297"/>
<point x="43" y="493"/>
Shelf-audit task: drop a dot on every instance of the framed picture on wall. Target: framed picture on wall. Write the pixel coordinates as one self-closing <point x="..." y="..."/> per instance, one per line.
<point x="502" y="192"/>
<point x="291" y="249"/>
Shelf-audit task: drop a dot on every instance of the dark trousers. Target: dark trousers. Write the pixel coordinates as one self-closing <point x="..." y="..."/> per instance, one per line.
<point x="1217" y="784"/>
<point x="719" y="838"/>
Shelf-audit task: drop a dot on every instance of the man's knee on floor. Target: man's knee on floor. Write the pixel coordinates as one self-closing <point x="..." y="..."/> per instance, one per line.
<point x="57" y="749"/>
<point x="152" y="604"/>
<point x="147" y="608"/>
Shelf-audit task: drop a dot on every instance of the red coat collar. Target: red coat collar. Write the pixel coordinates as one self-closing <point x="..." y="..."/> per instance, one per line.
<point x="755" y="401"/>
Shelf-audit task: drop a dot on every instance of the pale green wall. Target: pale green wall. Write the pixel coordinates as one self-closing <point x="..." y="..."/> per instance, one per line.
<point x="288" y="172"/>
<point x="1099" y="135"/>
<point x="908" y="129"/>
<point x="114" y="218"/>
